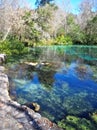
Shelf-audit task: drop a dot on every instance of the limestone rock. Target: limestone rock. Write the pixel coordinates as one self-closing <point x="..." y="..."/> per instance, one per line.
<point x="2" y="58"/>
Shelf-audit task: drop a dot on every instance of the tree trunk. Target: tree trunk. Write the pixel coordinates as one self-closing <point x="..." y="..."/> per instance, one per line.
<point x="7" y="33"/>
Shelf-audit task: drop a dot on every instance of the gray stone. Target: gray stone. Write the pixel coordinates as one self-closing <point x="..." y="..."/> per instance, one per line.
<point x="22" y="120"/>
<point x="36" y="116"/>
<point x="2" y="58"/>
<point x="2" y="69"/>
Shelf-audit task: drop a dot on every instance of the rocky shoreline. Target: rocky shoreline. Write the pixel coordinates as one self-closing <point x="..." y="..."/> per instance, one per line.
<point x="14" y="116"/>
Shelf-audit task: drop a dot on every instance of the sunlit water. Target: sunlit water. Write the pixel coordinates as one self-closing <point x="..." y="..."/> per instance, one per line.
<point x="69" y="90"/>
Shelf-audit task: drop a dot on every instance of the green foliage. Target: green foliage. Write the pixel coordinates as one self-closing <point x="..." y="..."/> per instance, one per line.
<point x="76" y="34"/>
<point x="63" y="40"/>
<point x="94" y="117"/>
<point x="60" y="40"/>
<point x="35" y="27"/>
<point x="76" y="123"/>
<point x="4" y="47"/>
<point x="61" y="31"/>
<point x="14" y="47"/>
<point x="46" y="42"/>
<point x="73" y="30"/>
<point x="38" y="28"/>
<point x="31" y="33"/>
<point x="45" y="14"/>
<point x="90" y="32"/>
<point x="70" y="19"/>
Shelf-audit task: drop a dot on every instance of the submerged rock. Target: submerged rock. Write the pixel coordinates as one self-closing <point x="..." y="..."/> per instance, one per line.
<point x="33" y="105"/>
<point x="36" y="105"/>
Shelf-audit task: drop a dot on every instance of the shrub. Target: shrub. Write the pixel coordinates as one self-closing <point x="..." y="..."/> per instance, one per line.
<point x="63" y="40"/>
<point x="14" y="47"/>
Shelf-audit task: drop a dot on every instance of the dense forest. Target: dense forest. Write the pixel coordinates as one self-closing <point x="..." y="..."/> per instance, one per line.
<point x="47" y="24"/>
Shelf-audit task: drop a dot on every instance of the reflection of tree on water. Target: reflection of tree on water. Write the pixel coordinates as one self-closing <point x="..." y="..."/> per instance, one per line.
<point x="80" y="97"/>
<point x="77" y="69"/>
<point x="80" y="70"/>
<point x="35" y="79"/>
<point x="72" y="90"/>
<point x="77" y="74"/>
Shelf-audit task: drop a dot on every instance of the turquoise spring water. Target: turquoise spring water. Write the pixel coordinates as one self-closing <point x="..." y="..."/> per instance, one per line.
<point x="68" y="89"/>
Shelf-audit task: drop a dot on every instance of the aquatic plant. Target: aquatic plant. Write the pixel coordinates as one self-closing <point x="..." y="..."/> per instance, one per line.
<point x="94" y="116"/>
<point x="76" y="104"/>
<point x="76" y="123"/>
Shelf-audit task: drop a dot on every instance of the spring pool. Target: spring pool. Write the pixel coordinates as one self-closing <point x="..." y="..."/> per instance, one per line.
<point x="70" y="89"/>
<point x="62" y="81"/>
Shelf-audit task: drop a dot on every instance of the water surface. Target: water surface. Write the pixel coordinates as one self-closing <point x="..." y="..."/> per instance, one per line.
<point x="70" y="89"/>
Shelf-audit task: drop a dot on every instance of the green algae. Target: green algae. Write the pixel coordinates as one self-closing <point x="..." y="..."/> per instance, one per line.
<point x="76" y="123"/>
<point x="94" y="116"/>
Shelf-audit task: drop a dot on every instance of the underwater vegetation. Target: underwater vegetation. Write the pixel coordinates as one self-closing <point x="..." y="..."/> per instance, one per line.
<point x="66" y="94"/>
<point x="76" y="123"/>
<point x="94" y="69"/>
<point x="94" y="116"/>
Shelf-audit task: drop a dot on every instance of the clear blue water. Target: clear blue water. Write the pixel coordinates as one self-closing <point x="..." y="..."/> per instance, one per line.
<point x="68" y="90"/>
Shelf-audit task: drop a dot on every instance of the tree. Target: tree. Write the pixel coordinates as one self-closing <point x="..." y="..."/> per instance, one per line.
<point x="45" y="16"/>
<point x="31" y="33"/>
<point x="91" y="32"/>
<point x="43" y="2"/>
<point x="74" y="30"/>
<point x="11" y="18"/>
<point x="57" y="23"/>
<point x="86" y="12"/>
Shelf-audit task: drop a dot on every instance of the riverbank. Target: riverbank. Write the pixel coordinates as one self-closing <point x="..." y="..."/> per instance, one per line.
<point x="14" y="116"/>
